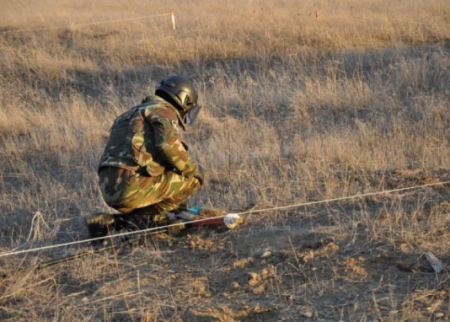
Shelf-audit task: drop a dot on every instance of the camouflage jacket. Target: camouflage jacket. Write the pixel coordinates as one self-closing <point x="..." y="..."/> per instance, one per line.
<point x="147" y="138"/>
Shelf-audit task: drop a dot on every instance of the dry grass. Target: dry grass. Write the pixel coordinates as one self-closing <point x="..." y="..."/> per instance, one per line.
<point x="303" y="101"/>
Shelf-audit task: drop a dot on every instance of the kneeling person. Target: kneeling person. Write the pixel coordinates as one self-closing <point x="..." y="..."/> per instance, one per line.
<point x="145" y="170"/>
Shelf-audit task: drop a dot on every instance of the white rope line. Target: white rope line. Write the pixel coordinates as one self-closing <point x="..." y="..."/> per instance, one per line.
<point x="87" y="24"/>
<point x="369" y="194"/>
<point x="162" y="228"/>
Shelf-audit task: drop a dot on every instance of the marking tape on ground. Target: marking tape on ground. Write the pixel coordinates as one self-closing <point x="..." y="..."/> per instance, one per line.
<point x="239" y="213"/>
<point x="87" y="24"/>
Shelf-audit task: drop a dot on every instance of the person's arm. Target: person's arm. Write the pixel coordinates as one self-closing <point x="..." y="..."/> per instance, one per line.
<point x="164" y="122"/>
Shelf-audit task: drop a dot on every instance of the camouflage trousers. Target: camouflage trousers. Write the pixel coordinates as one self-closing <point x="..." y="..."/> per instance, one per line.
<point x="127" y="190"/>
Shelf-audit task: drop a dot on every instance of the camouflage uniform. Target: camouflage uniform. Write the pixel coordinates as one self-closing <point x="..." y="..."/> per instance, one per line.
<point x="145" y="165"/>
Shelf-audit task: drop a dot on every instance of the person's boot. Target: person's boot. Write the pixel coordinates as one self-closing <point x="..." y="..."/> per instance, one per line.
<point x="101" y="223"/>
<point x="138" y="222"/>
<point x="153" y="216"/>
<point x="148" y="217"/>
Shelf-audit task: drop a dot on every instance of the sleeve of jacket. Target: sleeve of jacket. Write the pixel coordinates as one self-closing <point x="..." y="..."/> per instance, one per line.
<point x="164" y="122"/>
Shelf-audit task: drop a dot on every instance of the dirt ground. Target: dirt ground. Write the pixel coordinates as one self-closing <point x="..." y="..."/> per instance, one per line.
<point x="357" y="260"/>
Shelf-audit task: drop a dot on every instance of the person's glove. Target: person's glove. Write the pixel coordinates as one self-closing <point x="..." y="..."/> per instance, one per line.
<point x="199" y="174"/>
<point x="195" y="170"/>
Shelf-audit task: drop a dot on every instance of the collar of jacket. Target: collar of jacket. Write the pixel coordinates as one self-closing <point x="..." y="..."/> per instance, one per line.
<point x="153" y="98"/>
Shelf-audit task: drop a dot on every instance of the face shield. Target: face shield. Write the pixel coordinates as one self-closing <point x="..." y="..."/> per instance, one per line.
<point x="192" y="115"/>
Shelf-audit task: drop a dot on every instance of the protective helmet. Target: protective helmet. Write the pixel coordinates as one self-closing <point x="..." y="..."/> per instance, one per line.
<point x="180" y="92"/>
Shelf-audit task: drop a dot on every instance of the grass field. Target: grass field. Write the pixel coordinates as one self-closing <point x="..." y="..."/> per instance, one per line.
<point x="304" y="102"/>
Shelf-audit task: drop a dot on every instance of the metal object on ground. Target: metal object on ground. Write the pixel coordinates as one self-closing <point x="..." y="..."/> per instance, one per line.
<point x="216" y="217"/>
<point x="232" y="220"/>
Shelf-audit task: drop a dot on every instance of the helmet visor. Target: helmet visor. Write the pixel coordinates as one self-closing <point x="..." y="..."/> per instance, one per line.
<point x="190" y="117"/>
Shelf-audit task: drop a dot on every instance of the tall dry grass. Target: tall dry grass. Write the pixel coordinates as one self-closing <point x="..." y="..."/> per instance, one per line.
<point x="298" y="107"/>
